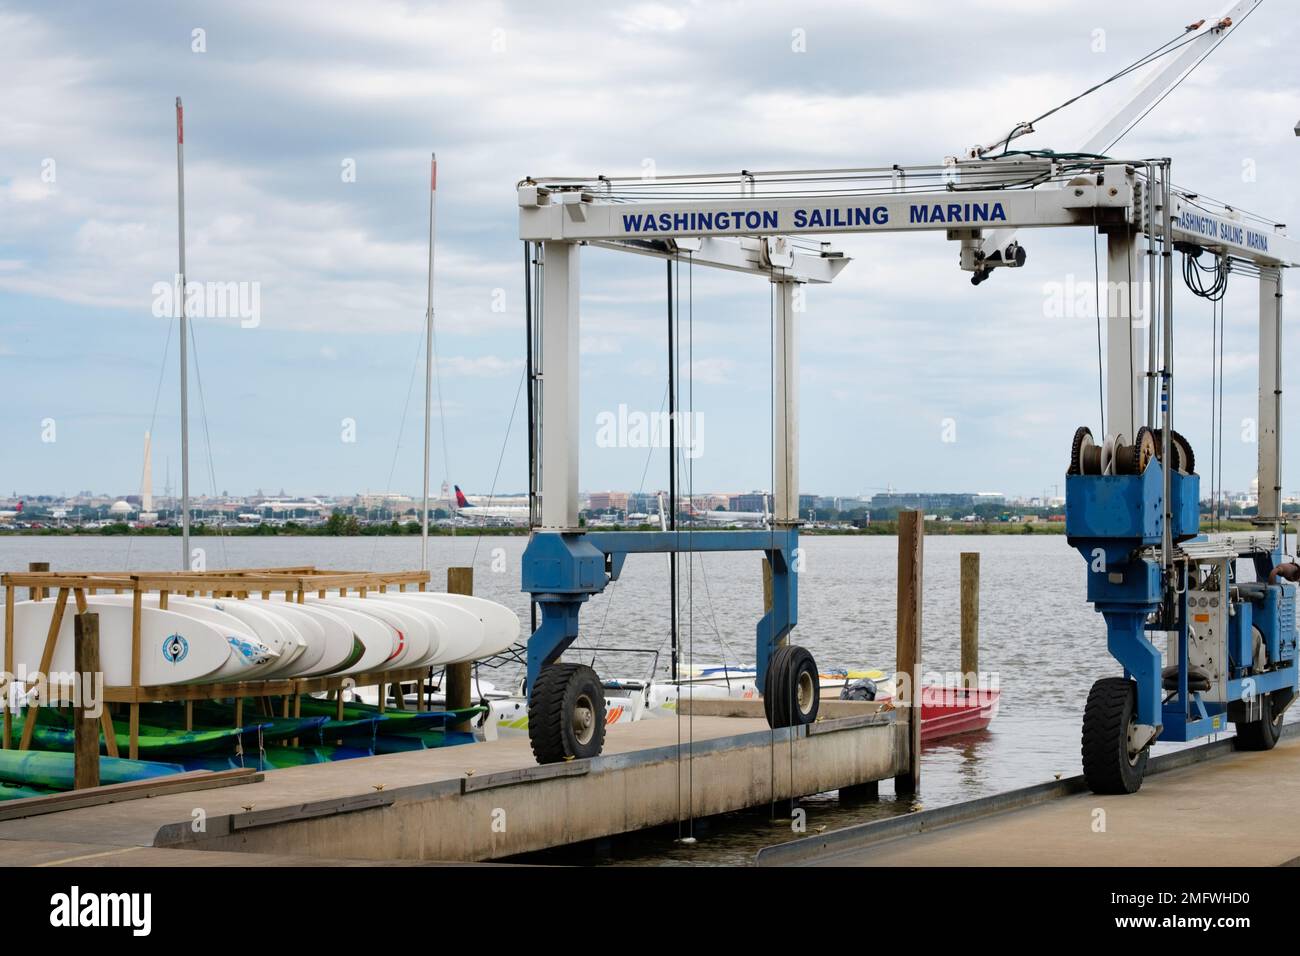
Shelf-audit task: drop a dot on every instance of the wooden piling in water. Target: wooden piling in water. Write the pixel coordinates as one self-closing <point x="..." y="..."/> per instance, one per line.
<point x="85" y="739"/>
<point x="970" y="618"/>
<point x="911" y="537"/>
<point x="457" y="677"/>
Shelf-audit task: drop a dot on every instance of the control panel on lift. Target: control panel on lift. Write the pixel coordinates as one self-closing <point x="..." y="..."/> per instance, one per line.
<point x="1210" y="616"/>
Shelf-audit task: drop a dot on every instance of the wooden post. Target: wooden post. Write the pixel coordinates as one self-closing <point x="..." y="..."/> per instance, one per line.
<point x="457" y="677"/>
<point x="37" y="567"/>
<point x="85" y="746"/>
<point x="133" y="714"/>
<point x="105" y="716"/>
<point x="911" y="536"/>
<point x="9" y="666"/>
<point x="970" y="618"/>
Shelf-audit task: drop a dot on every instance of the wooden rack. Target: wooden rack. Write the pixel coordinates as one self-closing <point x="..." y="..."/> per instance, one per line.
<point x="293" y="582"/>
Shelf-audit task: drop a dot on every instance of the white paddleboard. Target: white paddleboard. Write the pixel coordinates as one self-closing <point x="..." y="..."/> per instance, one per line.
<point x="249" y="657"/>
<point x="462" y="631"/>
<point x="174" y="648"/>
<point x="274" y="632"/>
<point x="414" y="629"/>
<point x="430" y="622"/>
<point x="329" y="640"/>
<point x="500" y="624"/>
<point x="378" y="638"/>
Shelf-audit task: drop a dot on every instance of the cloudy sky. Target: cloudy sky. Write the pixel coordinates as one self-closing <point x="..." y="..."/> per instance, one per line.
<point x="308" y="133"/>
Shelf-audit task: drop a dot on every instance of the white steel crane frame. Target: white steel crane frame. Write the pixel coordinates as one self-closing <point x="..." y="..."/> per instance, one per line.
<point x="753" y="234"/>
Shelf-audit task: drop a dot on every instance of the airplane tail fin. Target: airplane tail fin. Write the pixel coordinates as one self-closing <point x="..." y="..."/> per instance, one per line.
<point x="461" y="502"/>
<point x="19" y="509"/>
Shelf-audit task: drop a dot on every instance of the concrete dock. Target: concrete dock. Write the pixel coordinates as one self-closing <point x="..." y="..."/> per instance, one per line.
<point x="474" y="802"/>
<point x="1206" y="806"/>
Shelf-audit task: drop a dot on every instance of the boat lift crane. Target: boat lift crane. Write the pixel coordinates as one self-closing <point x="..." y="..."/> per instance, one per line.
<point x="1132" y="498"/>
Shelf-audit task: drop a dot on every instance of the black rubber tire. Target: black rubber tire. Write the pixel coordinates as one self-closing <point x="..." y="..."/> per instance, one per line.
<point x="551" y="714"/>
<point x="789" y="668"/>
<point x="1107" y="766"/>
<point x="1262" y="734"/>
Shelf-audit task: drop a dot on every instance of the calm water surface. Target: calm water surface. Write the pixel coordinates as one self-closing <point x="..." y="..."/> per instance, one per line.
<point x="1039" y="637"/>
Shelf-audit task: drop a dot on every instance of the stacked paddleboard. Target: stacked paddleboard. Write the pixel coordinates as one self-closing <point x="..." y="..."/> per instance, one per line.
<point x="220" y="640"/>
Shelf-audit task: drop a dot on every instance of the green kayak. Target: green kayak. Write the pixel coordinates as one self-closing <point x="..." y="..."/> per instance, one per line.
<point x="54" y="732"/>
<point x="44" y="768"/>
<point x="311" y="729"/>
<point x="12" y="791"/>
<point x="393" y="720"/>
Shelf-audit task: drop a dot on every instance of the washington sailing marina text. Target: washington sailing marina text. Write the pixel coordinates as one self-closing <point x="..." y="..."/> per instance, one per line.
<point x="831" y="217"/>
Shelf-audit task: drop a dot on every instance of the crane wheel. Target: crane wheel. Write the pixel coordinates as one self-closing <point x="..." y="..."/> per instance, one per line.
<point x="792" y="690"/>
<point x="1111" y="763"/>
<point x="1264" y="733"/>
<point x="566" y="713"/>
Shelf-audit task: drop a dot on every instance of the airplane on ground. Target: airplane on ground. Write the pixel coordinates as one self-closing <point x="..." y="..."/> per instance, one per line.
<point x="465" y="509"/>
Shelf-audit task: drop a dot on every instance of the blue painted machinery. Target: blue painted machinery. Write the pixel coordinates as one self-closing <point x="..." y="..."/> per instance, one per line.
<point x="1230" y="645"/>
<point x="563" y="570"/>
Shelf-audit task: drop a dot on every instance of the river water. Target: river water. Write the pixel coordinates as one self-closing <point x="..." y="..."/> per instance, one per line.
<point x="1039" y="639"/>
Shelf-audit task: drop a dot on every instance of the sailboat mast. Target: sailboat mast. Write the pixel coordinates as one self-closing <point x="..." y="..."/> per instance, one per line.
<point x="181" y="293"/>
<point x="428" y="370"/>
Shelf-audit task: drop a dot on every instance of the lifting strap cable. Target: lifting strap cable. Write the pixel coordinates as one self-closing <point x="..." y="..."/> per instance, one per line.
<point x="672" y="522"/>
<point x="771" y="535"/>
<point x="787" y="482"/>
<point x="1214" y="392"/>
<point x="690" y="534"/>
<point x="1222" y="376"/>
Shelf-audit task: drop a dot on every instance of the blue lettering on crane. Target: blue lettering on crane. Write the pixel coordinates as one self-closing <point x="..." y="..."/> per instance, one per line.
<point x="929" y="213"/>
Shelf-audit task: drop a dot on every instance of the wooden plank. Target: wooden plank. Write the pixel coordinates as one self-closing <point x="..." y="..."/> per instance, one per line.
<point x="110" y="732"/>
<point x="457" y="677"/>
<point x="970" y="618"/>
<point x="85" y="729"/>
<point x="47" y="658"/>
<point x="911" y="536"/>
<point x="296" y="685"/>
<point x="134" y="790"/>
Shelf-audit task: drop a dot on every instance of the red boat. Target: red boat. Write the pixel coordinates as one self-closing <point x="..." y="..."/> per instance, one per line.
<point x="948" y="711"/>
